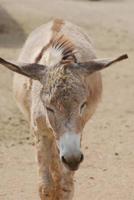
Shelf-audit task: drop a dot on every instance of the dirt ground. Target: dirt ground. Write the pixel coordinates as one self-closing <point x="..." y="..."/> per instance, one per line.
<point x="107" y="172"/>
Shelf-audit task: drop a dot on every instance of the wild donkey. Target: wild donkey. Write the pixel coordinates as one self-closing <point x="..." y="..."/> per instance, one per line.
<point x="58" y="94"/>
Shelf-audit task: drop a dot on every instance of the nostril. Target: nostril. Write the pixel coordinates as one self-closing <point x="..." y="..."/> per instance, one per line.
<point x="64" y="160"/>
<point x="81" y="158"/>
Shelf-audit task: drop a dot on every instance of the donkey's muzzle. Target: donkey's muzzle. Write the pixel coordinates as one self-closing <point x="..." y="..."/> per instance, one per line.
<point x="72" y="163"/>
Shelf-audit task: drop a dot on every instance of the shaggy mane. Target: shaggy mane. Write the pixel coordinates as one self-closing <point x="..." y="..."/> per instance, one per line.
<point x="63" y="48"/>
<point x="66" y="47"/>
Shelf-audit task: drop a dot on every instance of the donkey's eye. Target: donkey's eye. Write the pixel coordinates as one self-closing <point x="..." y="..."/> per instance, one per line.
<point x="49" y="109"/>
<point x="83" y="106"/>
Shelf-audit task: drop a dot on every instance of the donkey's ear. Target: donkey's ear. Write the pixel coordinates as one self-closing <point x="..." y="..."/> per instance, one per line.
<point x="98" y="64"/>
<point x="31" y="70"/>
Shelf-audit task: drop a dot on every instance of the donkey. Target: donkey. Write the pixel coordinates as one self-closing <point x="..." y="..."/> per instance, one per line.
<point x="57" y="86"/>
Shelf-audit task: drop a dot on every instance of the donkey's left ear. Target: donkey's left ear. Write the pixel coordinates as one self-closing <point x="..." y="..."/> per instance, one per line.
<point x="98" y="64"/>
<point x="31" y="70"/>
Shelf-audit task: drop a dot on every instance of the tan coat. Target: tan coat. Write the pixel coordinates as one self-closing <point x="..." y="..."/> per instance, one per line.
<point x="58" y="95"/>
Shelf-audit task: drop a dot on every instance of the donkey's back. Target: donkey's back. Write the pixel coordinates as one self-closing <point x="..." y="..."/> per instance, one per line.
<point x="40" y="40"/>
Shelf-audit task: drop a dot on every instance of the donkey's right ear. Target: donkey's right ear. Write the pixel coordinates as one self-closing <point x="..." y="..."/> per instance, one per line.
<point x="31" y="70"/>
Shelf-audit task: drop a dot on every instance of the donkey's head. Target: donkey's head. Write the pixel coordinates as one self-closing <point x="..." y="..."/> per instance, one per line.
<point x="66" y="99"/>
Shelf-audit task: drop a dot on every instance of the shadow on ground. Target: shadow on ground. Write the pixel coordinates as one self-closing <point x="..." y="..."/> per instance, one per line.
<point x="10" y="31"/>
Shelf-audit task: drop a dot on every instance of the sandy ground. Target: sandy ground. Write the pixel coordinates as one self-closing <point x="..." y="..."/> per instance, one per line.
<point x="107" y="172"/>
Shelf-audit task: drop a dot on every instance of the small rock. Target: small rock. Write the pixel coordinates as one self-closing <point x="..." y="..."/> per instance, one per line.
<point x="116" y="154"/>
<point x="104" y="170"/>
<point x="91" y="177"/>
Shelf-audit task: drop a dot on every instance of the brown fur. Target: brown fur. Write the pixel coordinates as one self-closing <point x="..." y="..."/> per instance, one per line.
<point x="68" y="48"/>
<point x="57" y="25"/>
<point x="53" y="100"/>
<point x="56" y="182"/>
<point x="38" y="58"/>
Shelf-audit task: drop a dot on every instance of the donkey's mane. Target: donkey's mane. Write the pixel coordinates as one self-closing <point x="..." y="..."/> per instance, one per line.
<point x="61" y="46"/>
<point x="66" y="47"/>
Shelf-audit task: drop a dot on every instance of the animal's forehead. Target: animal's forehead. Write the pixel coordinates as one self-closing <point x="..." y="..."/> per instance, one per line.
<point x="63" y="87"/>
<point x="57" y="76"/>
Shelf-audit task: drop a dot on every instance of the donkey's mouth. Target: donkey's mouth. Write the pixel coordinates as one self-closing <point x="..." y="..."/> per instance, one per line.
<point x="73" y="165"/>
<point x="71" y="168"/>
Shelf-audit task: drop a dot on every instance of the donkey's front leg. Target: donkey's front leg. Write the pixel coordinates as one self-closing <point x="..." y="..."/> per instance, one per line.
<point x="62" y="176"/>
<point x="44" y="157"/>
<point x="67" y="184"/>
